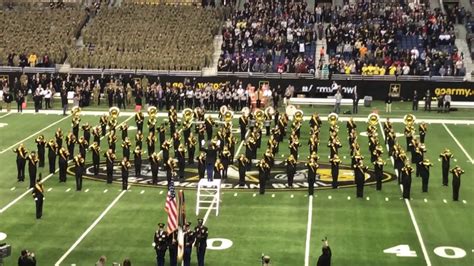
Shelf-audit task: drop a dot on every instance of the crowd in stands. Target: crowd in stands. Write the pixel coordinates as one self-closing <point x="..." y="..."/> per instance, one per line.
<point x="391" y="39"/>
<point x="149" y="37"/>
<point x="269" y="36"/>
<point x="39" y="37"/>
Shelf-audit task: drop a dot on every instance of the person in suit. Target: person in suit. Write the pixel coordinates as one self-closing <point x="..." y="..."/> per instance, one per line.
<point x="457" y="173"/>
<point x="201" y="232"/>
<point x="160" y="244"/>
<point x="325" y="258"/>
<point x="38" y="196"/>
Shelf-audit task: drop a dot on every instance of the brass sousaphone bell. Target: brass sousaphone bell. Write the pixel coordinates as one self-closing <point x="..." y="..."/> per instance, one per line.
<point x="76" y="111"/>
<point x="332" y="119"/>
<point x="409" y="119"/>
<point x="114" y="112"/>
<point x="228" y="115"/>
<point x="298" y="116"/>
<point x="187" y="115"/>
<point x="373" y="119"/>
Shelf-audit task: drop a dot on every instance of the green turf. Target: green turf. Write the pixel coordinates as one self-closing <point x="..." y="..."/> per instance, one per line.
<point x="359" y="229"/>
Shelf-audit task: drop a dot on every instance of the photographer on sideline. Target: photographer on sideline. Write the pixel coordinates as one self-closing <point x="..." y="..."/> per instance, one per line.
<point x="325" y="258"/>
<point x="27" y="258"/>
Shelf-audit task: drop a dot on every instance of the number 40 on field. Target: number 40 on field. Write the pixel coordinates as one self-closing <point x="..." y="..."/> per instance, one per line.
<point x="443" y="252"/>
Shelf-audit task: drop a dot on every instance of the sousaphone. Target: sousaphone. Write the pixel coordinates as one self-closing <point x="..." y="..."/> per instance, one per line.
<point x="373" y="119"/>
<point x="333" y="119"/>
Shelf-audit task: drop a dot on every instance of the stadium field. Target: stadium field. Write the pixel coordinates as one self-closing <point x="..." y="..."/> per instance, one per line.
<point x="286" y="224"/>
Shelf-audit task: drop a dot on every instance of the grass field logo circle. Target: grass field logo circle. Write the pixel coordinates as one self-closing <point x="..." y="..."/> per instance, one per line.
<point x="278" y="179"/>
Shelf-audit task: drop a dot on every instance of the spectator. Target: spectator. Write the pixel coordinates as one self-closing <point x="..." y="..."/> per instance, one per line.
<point x="388" y="103"/>
<point x="447" y="103"/>
<point x="338" y="98"/>
<point x="102" y="261"/>
<point x="27" y="258"/>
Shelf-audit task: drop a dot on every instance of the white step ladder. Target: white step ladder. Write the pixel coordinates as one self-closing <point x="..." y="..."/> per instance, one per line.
<point x="208" y="195"/>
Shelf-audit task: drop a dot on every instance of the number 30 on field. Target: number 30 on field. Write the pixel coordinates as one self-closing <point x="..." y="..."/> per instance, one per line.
<point x="444" y="252"/>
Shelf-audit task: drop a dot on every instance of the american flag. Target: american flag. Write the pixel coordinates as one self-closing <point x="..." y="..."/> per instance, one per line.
<point x="171" y="208"/>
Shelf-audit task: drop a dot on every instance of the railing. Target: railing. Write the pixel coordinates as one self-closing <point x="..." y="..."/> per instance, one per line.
<point x="99" y="71"/>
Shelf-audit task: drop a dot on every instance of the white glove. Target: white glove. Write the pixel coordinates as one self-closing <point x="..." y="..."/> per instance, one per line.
<point x="36" y="199"/>
<point x="153" y="244"/>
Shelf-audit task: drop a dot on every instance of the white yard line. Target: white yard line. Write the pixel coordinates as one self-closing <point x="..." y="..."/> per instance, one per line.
<point x="459" y="143"/>
<point x="410" y="211"/>
<point x="24" y="194"/>
<point x="6" y="115"/>
<point x="88" y="230"/>
<point x="34" y="134"/>
<point x="206" y="216"/>
<point x="308" y="231"/>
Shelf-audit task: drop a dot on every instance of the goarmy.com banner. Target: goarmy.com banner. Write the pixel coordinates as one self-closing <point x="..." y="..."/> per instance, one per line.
<point x="463" y="92"/>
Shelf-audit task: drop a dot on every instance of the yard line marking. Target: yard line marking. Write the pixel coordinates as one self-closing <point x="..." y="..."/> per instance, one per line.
<point x="459" y="144"/>
<point x="69" y="189"/>
<point x="6" y="115"/>
<point x="410" y="211"/>
<point x="24" y="194"/>
<point x="13" y="188"/>
<point x="308" y="230"/>
<point x="34" y="134"/>
<point x="105" y="191"/>
<point x="208" y="212"/>
<point x="89" y="229"/>
<point x="242" y="144"/>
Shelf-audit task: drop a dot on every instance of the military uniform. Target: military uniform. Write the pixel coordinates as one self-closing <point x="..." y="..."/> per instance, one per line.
<point x="312" y="171"/>
<point x="378" y="171"/>
<point x="110" y="161"/>
<point x="457" y="173"/>
<point x="52" y="153"/>
<point x="201" y="232"/>
<point x="40" y="146"/>
<point x="189" y="238"/>
<point x="335" y="162"/>
<point x="63" y="159"/>
<point x="263" y="173"/>
<point x="95" y="149"/>
<point x="425" y="174"/>
<point x="124" y="166"/>
<point x="406" y="180"/>
<point x="290" y="170"/>
<point x="32" y="168"/>
<point x="445" y="162"/>
<point x="359" y="176"/>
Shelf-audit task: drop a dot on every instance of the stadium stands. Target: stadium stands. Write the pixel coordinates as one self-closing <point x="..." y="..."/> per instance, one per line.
<point x="388" y="38"/>
<point x="37" y="37"/>
<point x="269" y="37"/>
<point x="137" y="36"/>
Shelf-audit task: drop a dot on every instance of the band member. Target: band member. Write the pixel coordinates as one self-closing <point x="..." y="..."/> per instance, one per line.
<point x="63" y="159"/>
<point x="103" y="121"/>
<point x="139" y="118"/>
<point x="186" y="132"/>
<point x="40" y="146"/>
<point x="335" y="162"/>
<point x="176" y="141"/>
<point x="162" y="133"/>
<point x="406" y="180"/>
<point x="124" y="167"/>
<point x="137" y="161"/>
<point x="139" y="140"/>
<point x="189" y="238"/>
<point x="446" y="156"/>
<point x="124" y="129"/>
<point x="243" y="122"/>
<point x="312" y="170"/>
<point x="263" y="175"/>
<point x="218" y="169"/>
<point x="79" y="171"/>
<point x="201" y="131"/>
<point x="32" y="167"/>
<point x="165" y="149"/>
<point x="112" y="123"/>
<point x="86" y="128"/>
<point x="95" y="149"/>
<point x="154" y="160"/>
<point x="126" y="148"/>
<point x="201" y="159"/>
<point x="110" y="162"/>
<point x="242" y="165"/>
<point x="96" y="134"/>
<point x="226" y="160"/>
<point x="425" y="174"/>
<point x="457" y="173"/>
<point x="359" y="176"/>
<point x="250" y="147"/>
<point x="351" y="125"/>
<point x="180" y="154"/>
<point x="160" y="243"/>
<point x="58" y="135"/>
<point x="378" y="172"/>
<point x="334" y="147"/>
<point x="201" y="232"/>
<point x="422" y="131"/>
<point x="290" y="169"/>
<point x="313" y="143"/>
<point x="409" y="136"/>
<point x="209" y="123"/>
<point x="399" y="158"/>
<point x="83" y="144"/>
<point x="315" y="120"/>
<point x="52" y="153"/>
<point x="191" y="147"/>
<point x="112" y="139"/>
<point x="173" y="120"/>
<point x="21" y="156"/>
<point x="70" y="142"/>
<point x="294" y="146"/>
<point x="75" y="126"/>
<point x="38" y="196"/>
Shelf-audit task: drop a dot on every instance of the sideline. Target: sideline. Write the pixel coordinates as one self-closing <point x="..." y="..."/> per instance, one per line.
<point x="410" y="211"/>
